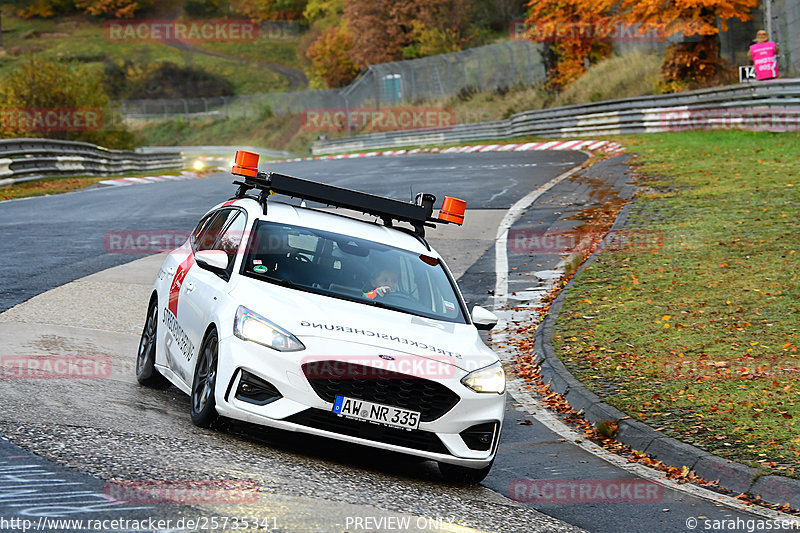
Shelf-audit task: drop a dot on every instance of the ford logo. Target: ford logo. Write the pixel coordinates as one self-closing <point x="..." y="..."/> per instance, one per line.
<point x="387" y="357"/>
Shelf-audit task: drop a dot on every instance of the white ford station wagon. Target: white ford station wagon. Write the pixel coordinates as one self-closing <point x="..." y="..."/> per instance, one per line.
<point x="302" y="319"/>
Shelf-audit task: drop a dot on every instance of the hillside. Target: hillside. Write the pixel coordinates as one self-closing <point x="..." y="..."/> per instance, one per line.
<point x="249" y="66"/>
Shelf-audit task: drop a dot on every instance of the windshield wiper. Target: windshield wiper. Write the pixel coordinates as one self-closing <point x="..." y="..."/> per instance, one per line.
<point x="277" y="281"/>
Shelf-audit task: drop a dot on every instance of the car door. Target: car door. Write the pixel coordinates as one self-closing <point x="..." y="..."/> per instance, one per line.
<point x="205" y="287"/>
<point x="174" y="271"/>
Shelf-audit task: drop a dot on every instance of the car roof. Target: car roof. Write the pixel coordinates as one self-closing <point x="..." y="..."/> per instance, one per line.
<point x="340" y="221"/>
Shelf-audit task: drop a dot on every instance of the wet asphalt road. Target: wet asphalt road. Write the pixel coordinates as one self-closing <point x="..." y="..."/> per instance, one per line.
<point x="49" y="241"/>
<point x="125" y="432"/>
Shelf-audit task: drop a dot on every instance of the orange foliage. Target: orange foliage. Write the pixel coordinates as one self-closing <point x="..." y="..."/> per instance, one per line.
<point x="688" y="16"/>
<point x="383" y="28"/>
<point x="120" y="9"/>
<point x="695" y="61"/>
<point x="330" y="57"/>
<point x="270" y="9"/>
<point x="690" y="64"/>
<point x="574" y="30"/>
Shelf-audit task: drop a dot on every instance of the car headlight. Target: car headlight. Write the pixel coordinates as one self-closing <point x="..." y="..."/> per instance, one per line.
<point x="491" y="379"/>
<point x="253" y="327"/>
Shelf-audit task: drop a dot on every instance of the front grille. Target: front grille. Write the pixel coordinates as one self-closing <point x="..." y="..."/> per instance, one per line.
<point x="429" y="398"/>
<point x="414" y="438"/>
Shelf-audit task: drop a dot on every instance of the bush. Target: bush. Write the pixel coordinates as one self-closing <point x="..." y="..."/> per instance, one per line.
<point x="206" y="8"/>
<point x="128" y="80"/>
<point x="266" y="113"/>
<point x="122" y="9"/>
<point x="625" y="76"/>
<point x="330" y="59"/>
<point x="47" y="9"/>
<point x="114" y="9"/>
<point x="39" y="86"/>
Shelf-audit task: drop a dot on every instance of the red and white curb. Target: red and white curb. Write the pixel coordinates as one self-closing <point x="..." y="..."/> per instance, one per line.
<point x="590" y="146"/>
<point x="149" y="179"/>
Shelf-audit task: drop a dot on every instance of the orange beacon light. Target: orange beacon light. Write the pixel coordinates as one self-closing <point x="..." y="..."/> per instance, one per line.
<point x="245" y="164"/>
<point x="453" y="210"/>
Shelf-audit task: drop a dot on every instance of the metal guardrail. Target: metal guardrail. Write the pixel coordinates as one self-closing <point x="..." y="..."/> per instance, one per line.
<point x="29" y="159"/>
<point x="770" y="106"/>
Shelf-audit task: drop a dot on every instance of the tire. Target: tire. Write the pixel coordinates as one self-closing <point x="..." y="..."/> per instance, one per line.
<point x="146" y="373"/>
<point x="203" y="405"/>
<point x="462" y="474"/>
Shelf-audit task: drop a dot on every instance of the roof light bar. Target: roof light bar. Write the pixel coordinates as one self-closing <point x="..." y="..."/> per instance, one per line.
<point x="418" y="214"/>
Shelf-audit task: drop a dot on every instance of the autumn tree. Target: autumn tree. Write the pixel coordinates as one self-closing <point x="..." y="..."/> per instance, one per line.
<point x="118" y="9"/>
<point x="382" y="29"/>
<point x="44" y="84"/>
<point x="330" y="57"/>
<point x="270" y="9"/>
<point x="323" y="12"/>
<point x="694" y="61"/>
<point x="121" y="9"/>
<point x="573" y="31"/>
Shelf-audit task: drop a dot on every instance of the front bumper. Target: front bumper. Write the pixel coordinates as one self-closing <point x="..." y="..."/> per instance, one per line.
<point x="449" y="438"/>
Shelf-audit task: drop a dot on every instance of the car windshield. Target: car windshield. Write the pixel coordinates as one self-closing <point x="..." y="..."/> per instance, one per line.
<point x="352" y="269"/>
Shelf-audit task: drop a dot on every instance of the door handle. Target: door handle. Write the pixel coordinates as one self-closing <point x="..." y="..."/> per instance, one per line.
<point x="189" y="287"/>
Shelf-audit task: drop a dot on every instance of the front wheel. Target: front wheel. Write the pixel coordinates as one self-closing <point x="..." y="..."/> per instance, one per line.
<point x="204" y="407"/>
<point x="146" y="373"/>
<point x="462" y="474"/>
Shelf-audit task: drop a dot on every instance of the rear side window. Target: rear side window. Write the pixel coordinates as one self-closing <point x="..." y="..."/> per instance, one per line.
<point x="221" y="230"/>
<point x="201" y="226"/>
<point x="208" y="234"/>
<point x="231" y="237"/>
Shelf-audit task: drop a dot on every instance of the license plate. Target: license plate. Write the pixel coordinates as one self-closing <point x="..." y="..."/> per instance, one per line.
<point x="375" y="412"/>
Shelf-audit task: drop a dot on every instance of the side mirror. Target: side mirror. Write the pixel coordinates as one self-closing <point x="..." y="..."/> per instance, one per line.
<point x="212" y="259"/>
<point x="483" y="318"/>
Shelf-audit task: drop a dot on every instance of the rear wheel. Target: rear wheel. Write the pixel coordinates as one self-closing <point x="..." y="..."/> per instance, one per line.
<point x="462" y="474"/>
<point x="146" y="373"/>
<point x="204" y="407"/>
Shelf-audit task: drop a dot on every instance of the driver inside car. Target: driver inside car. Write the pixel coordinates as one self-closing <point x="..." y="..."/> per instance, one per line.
<point x="385" y="281"/>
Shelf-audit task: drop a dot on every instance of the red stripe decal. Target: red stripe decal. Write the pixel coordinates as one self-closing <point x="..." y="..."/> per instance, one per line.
<point x="177" y="281"/>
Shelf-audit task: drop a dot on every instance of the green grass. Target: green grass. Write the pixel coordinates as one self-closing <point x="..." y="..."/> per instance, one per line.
<point x="634" y="74"/>
<point x="283" y="132"/>
<point x="78" y="39"/>
<point x="696" y="331"/>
